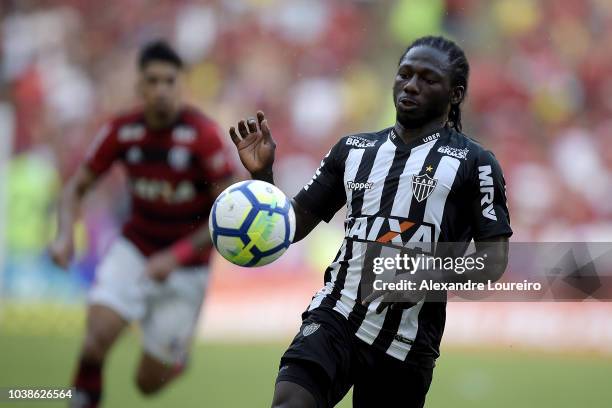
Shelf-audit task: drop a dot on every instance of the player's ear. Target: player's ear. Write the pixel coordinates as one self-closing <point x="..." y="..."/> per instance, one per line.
<point x="457" y="94"/>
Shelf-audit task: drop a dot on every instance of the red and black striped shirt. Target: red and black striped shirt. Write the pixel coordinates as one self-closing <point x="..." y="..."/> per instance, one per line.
<point x="170" y="173"/>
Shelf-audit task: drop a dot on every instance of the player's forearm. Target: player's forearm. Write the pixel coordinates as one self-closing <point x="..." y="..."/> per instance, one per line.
<point x="490" y="261"/>
<point x="305" y="221"/>
<point x="188" y="249"/>
<point x="71" y="199"/>
<point x="69" y="207"/>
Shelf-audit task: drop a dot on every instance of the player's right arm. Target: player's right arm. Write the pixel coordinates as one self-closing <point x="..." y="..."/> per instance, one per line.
<point x="62" y="248"/>
<point x="100" y="157"/>
<point x="256" y="149"/>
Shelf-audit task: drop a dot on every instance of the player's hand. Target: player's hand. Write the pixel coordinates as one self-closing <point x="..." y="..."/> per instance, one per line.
<point x="403" y="299"/>
<point x="255" y="144"/>
<point x="160" y="265"/>
<point x="61" y="251"/>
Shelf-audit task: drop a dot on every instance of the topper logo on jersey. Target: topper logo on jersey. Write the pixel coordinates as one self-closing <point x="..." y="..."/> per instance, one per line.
<point x="351" y="185"/>
<point x="154" y="190"/>
<point x="488" y="193"/>
<point x="360" y="142"/>
<point x="394" y="231"/>
<point x="423" y="186"/>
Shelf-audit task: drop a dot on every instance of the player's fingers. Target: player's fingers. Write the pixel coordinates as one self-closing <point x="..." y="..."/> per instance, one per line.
<point x="235" y="138"/>
<point x="260" y="117"/>
<point x="242" y="129"/>
<point x="265" y="131"/>
<point x="252" y="125"/>
<point x="372" y="297"/>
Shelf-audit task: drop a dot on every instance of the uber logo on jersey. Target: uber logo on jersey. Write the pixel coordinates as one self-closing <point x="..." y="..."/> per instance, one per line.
<point x="431" y="137"/>
<point x="360" y="142"/>
<point x="178" y="157"/>
<point x="423" y="186"/>
<point x="400" y="232"/>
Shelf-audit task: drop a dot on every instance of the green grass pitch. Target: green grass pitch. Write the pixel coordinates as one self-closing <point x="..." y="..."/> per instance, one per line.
<point x="239" y="375"/>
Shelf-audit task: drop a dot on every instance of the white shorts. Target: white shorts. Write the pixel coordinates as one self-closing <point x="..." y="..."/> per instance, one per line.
<point x="167" y="311"/>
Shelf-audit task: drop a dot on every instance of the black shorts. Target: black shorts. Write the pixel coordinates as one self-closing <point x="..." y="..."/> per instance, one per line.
<point x="327" y="359"/>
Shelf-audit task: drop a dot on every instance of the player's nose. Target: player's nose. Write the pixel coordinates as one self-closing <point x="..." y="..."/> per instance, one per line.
<point x="411" y="86"/>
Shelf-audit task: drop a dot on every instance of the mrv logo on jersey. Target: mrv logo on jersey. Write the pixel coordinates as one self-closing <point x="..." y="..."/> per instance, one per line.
<point x="488" y="192"/>
<point x="399" y="232"/>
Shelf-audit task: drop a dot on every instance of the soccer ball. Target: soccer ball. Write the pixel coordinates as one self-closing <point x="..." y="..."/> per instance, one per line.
<point x="252" y="223"/>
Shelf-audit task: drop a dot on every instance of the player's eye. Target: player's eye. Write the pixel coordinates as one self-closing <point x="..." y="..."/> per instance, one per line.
<point x="430" y="81"/>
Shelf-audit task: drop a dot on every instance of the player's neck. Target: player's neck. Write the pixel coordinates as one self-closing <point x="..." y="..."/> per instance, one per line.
<point x="158" y="122"/>
<point x="407" y="135"/>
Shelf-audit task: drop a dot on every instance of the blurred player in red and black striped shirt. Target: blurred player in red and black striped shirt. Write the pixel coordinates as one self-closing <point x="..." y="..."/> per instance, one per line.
<point x="156" y="272"/>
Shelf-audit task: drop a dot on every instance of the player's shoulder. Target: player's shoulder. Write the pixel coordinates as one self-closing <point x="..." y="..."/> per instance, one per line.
<point x="363" y="140"/>
<point x="463" y="147"/>
<point x="133" y="116"/>
<point x="196" y="118"/>
<point x="125" y="126"/>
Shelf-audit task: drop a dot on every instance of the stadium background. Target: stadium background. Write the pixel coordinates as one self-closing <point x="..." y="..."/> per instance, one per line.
<point x="539" y="97"/>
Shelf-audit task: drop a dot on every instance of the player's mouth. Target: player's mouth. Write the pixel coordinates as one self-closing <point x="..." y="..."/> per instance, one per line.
<point x="407" y="103"/>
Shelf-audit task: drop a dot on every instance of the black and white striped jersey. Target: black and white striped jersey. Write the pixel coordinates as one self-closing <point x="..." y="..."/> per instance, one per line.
<point x="444" y="187"/>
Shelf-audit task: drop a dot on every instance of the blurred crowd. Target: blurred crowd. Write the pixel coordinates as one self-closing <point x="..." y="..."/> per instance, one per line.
<point x="540" y="92"/>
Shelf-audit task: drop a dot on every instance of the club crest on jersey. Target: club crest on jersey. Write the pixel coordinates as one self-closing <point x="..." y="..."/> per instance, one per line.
<point x="178" y="157"/>
<point x="423" y="186"/>
<point x="311" y="328"/>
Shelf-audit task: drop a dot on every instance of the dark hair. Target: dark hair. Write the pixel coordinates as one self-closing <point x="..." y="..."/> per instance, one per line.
<point x="459" y="69"/>
<point x="158" y="51"/>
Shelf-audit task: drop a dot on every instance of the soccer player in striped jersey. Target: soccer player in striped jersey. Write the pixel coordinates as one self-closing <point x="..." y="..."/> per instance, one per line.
<point x="155" y="273"/>
<point x="419" y="182"/>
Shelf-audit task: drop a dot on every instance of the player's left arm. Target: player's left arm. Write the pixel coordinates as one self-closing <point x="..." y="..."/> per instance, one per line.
<point x="219" y="172"/>
<point x="490" y="221"/>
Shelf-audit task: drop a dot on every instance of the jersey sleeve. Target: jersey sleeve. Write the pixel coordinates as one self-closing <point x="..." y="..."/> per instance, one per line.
<point x="490" y="215"/>
<point x="103" y="151"/>
<point x="215" y="156"/>
<point x="324" y="194"/>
